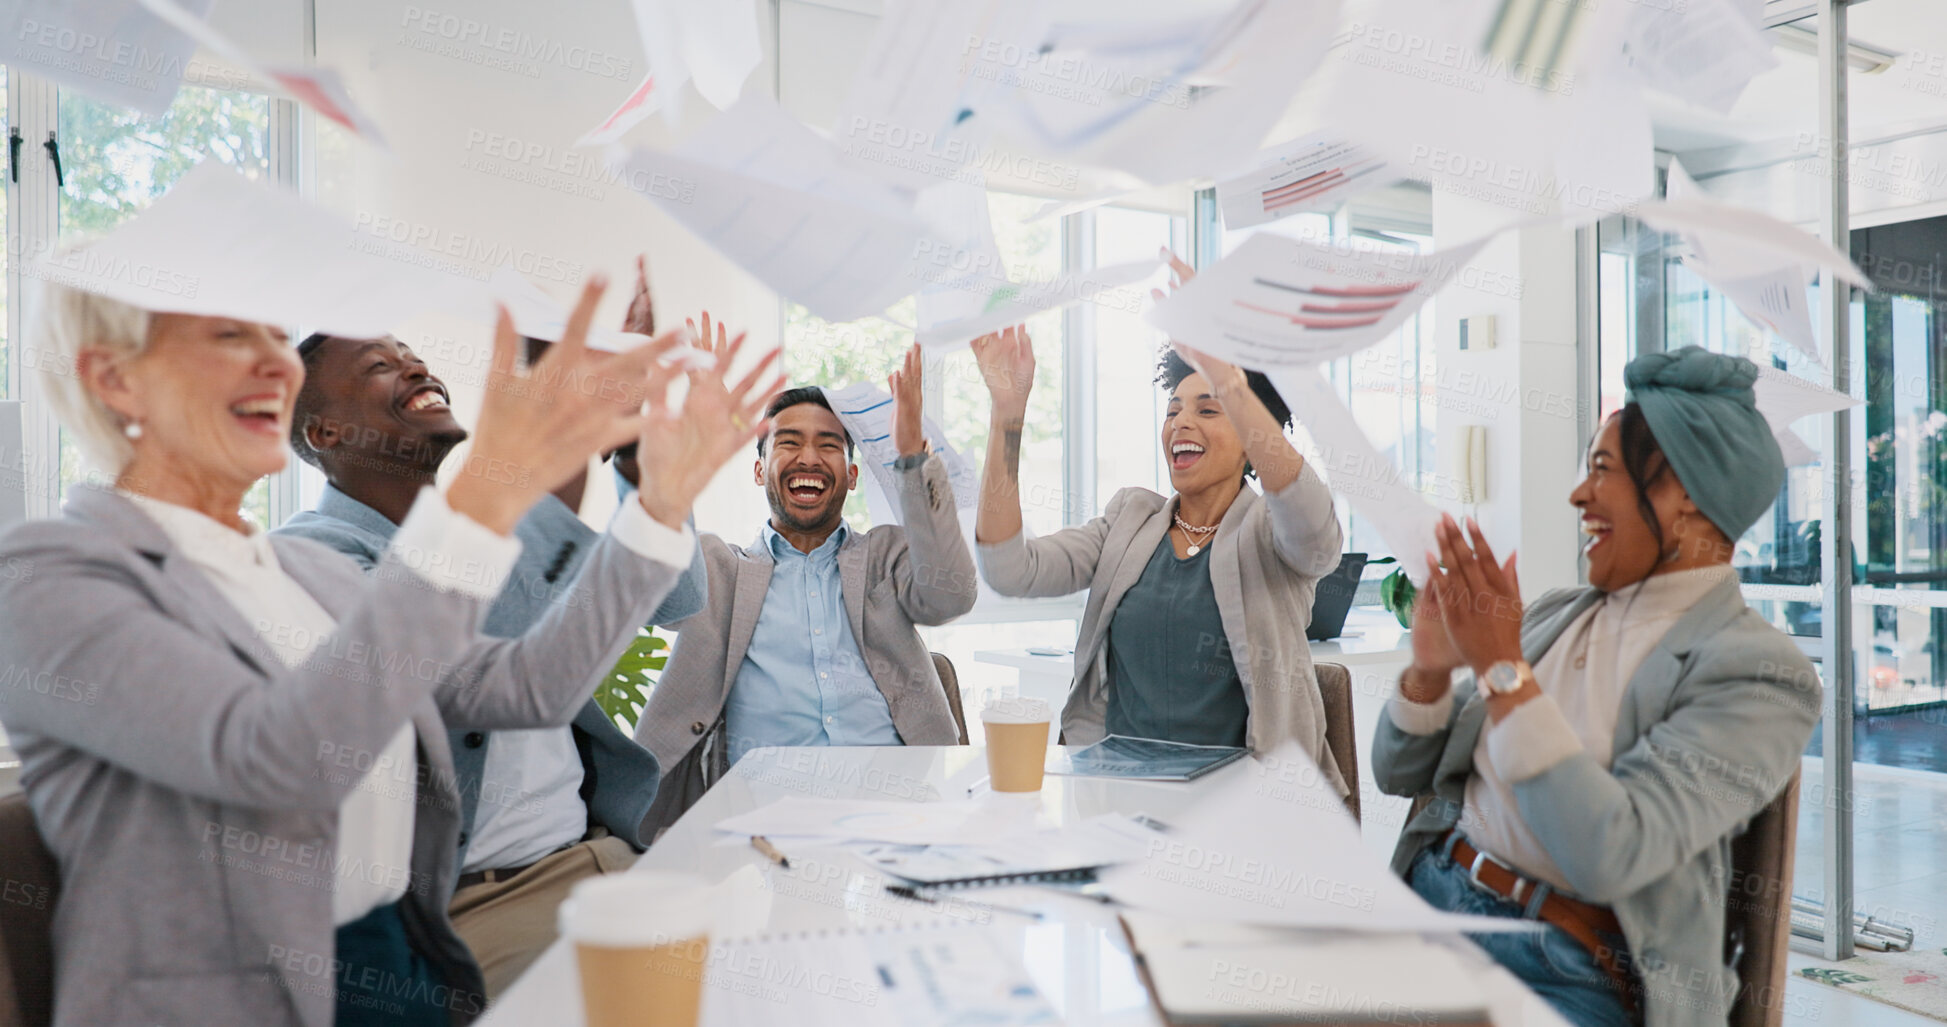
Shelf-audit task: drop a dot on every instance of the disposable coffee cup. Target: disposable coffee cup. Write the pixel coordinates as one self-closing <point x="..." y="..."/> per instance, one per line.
<point x="1017" y="743"/>
<point x="642" y="943"/>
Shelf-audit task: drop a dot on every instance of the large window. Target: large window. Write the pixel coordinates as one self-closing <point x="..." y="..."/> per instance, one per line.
<point x="116" y="162"/>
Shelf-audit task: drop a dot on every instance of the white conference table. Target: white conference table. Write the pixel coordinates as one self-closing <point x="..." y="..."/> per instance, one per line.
<point x="1076" y="954"/>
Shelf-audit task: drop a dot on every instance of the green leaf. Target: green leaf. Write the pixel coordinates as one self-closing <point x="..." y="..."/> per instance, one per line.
<point x="625" y="690"/>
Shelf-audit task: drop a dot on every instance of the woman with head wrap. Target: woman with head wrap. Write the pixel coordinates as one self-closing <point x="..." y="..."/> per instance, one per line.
<point x="1607" y="743"/>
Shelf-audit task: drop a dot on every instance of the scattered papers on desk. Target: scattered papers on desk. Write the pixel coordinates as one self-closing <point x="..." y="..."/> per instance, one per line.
<point x="952" y="822"/>
<point x="949" y="974"/>
<point x="220" y="245"/>
<point x="1315" y="172"/>
<point x="1276" y="847"/>
<point x="1277" y="302"/>
<point x="1144" y="759"/>
<point x="866" y="411"/>
<point x="1356" y="470"/>
<point x="317" y="88"/>
<point x="111" y="50"/>
<point x="1055" y="853"/>
<point x="1211" y="972"/>
<point x="769" y="194"/>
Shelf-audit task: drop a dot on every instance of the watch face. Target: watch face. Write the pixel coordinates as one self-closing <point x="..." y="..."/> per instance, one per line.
<point x="1503" y="678"/>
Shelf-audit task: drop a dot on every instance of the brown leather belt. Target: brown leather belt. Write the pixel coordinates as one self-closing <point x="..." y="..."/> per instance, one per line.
<point x="493" y="874"/>
<point x="1585" y="922"/>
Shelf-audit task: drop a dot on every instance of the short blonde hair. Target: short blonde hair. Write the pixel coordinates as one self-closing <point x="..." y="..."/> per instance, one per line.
<point x="70" y="320"/>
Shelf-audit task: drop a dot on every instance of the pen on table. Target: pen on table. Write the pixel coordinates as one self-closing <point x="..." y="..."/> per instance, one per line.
<point x="978" y="785"/>
<point x="763" y="845"/>
<point x="916" y="895"/>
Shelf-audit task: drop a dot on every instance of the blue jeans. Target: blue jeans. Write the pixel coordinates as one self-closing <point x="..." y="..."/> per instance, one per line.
<point x="1549" y="961"/>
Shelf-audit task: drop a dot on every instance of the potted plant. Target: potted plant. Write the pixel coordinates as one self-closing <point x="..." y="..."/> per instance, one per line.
<point x="1397" y="592"/>
<point x="624" y="690"/>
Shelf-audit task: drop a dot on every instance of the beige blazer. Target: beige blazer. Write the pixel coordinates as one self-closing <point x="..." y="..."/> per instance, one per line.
<point x="1265" y="564"/>
<point x="893" y="578"/>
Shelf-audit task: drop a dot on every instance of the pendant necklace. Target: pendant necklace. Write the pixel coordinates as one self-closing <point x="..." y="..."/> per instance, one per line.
<point x="1201" y="532"/>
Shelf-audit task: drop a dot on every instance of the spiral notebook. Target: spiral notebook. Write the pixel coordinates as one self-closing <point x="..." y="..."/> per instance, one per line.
<point x="1066" y="855"/>
<point x="953" y="974"/>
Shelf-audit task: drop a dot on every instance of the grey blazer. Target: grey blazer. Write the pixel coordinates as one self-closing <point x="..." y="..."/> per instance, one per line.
<point x="619" y="777"/>
<point x="188" y="783"/>
<point x="1712" y="727"/>
<point x="893" y="577"/>
<point x="1265" y="564"/>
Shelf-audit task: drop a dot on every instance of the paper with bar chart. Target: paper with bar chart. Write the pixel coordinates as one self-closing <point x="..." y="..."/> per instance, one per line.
<point x="1281" y="302"/>
<point x="1311" y="173"/>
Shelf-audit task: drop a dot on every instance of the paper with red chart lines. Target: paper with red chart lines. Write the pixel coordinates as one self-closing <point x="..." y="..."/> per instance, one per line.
<point x="1305" y="174"/>
<point x="1281" y="302"/>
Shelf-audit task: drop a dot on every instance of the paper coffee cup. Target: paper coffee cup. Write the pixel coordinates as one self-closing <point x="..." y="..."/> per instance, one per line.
<point x="1017" y="742"/>
<point x="642" y="943"/>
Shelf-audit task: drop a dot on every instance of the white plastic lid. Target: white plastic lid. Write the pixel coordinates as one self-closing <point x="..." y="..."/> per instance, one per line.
<point x="1015" y="710"/>
<point x="638" y="908"/>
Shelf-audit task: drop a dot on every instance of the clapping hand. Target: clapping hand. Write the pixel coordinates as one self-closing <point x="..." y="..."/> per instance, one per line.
<point x="1479" y="599"/>
<point x="641" y="318"/>
<point x="681" y="450"/>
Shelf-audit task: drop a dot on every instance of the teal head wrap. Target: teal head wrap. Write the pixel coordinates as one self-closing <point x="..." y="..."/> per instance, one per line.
<point x="1701" y="409"/>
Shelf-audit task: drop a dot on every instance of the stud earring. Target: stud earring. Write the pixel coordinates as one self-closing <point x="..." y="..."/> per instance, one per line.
<point x="133" y="429"/>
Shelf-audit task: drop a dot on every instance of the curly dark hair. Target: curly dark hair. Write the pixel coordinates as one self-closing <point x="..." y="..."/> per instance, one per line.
<point x="1171" y="369"/>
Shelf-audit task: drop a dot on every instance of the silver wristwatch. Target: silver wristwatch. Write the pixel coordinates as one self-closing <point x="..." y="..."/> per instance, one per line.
<point x="1505" y="677"/>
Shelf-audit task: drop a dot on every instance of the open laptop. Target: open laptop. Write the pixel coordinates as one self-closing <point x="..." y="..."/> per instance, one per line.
<point x="1334" y="598"/>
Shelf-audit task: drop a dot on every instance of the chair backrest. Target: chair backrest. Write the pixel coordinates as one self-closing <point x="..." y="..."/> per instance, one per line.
<point x="951" y="680"/>
<point x="31" y="880"/>
<point x="1335" y="688"/>
<point x="1759" y="909"/>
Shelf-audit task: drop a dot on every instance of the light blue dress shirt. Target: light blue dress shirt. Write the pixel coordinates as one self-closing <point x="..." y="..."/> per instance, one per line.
<point x="803" y="681"/>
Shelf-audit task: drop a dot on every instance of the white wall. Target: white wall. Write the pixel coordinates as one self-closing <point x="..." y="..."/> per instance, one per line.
<point x="1523" y="390"/>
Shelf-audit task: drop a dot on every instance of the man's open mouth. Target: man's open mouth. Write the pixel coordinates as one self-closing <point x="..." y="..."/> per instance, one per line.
<point x="806" y="488"/>
<point x="426" y="397"/>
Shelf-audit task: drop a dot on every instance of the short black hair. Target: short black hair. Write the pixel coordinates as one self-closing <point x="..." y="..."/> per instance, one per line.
<point x="792" y="397"/>
<point x="307" y="398"/>
<point x="1171" y="369"/>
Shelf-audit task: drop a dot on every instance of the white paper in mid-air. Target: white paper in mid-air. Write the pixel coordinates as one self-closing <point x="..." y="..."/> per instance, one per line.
<point x="1785" y="398"/>
<point x="1775" y="301"/>
<point x="1280" y="302"/>
<point x="959" y="266"/>
<point x="319" y="89"/>
<point x="1010" y="303"/>
<point x="770" y="195"/>
<point x="220" y="245"/>
<point x="866" y="411"/>
<point x="1161" y="101"/>
<point x="112" y="50"/>
<point x="1276" y="847"/>
<point x="538" y="315"/>
<point x="713" y="44"/>
<point x="645" y="99"/>
<point x="1702" y="51"/>
<point x="1355" y="469"/>
<point x="1732" y="242"/>
<point x="1312" y="173"/>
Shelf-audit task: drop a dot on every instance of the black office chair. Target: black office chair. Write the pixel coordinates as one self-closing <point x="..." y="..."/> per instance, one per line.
<point x="32" y="882"/>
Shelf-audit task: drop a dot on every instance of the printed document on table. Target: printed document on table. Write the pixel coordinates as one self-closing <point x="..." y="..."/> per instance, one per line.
<point x="1278" y="302"/>
<point x="952" y="822"/>
<point x="1276" y="847"/>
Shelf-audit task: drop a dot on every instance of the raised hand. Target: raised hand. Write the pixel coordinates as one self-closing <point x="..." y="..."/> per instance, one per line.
<point x="1180" y="274"/>
<point x="908" y="399"/>
<point x="1006" y="360"/>
<point x="681" y="450"/>
<point x="641" y="317"/>
<point x="537" y="429"/>
<point x="1480" y="599"/>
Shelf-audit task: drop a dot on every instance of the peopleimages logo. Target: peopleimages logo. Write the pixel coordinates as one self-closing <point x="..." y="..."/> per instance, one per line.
<point x="506" y="44"/>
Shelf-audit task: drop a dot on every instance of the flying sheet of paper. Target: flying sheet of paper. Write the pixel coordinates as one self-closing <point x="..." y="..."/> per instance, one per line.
<point x="1162" y="101"/>
<point x="1354" y="468"/>
<point x="1411" y="84"/>
<point x="1280" y="302"/>
<point x="1276" y="847"/>
<point x="1311" y="173"/>
<point x="645" y="99"/>
<point x="538" y="315"/>
<point x="320" y="89"/>
<point x="220" y="245"/>
<point x="770" y="195"/>
<point x="866" y="411"/>
<point x="958" y="267"/>
<point x="112" y="50"/>
<point x="1785" y="398"/>
<point x="1733" y="242"/>
<point x="713" y="44"/>
<point x="1775" y="301"/>
<point x="1007" y="303"/>
<point x="1797" y="451"/>
<point x="908" y="114"/>
<point x="1702" y="51"/>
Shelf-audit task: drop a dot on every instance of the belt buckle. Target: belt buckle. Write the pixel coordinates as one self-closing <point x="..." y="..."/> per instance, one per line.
<point x="1474" y="874"/>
